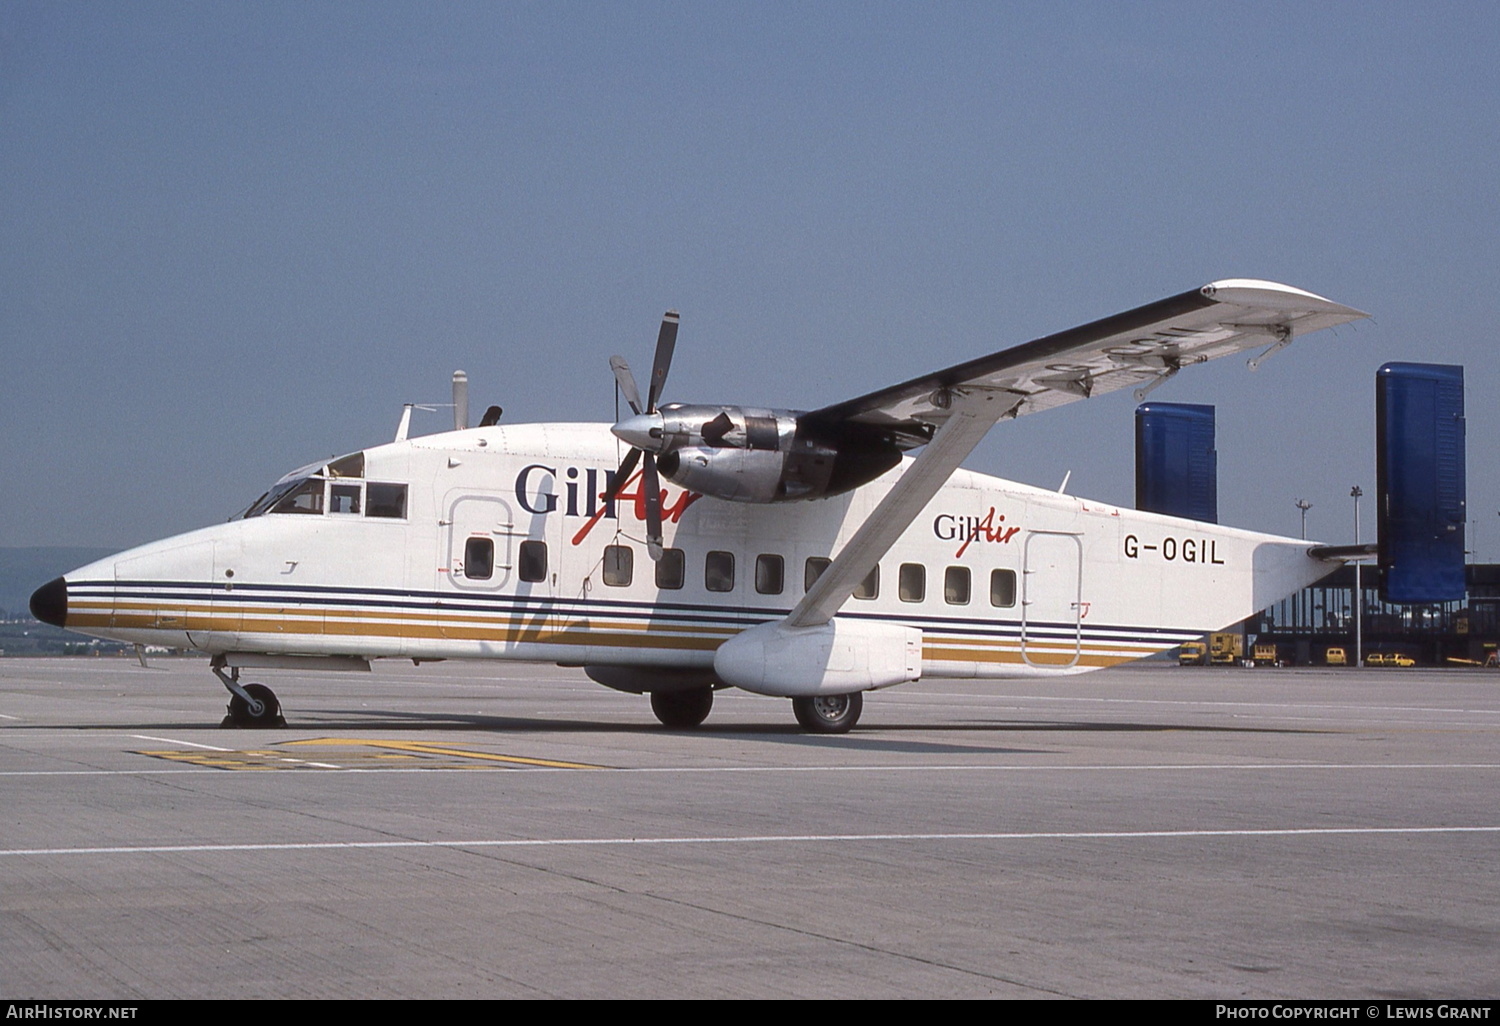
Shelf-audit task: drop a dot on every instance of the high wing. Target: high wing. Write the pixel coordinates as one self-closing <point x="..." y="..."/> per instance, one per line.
<point x="1140" y="347"/>
<point x="953" y="409"/>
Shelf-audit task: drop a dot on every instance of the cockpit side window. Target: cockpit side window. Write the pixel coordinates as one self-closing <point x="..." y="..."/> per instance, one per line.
<point x="344" y="498"/>
<point x="385" y="500"/>
<point x="303" y="491"/>
<point x="306" y="497"/>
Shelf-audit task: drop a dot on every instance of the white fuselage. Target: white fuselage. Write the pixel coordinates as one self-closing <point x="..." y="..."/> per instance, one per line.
<point x="1001" y="579"/>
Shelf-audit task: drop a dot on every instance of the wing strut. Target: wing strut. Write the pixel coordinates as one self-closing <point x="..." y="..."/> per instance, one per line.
<point x="972" y="413"/>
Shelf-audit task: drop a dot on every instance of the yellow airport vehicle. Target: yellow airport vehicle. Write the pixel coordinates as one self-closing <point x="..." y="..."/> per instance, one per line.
<point x="1225" y="648"/>
<point x="1192" y="653"/>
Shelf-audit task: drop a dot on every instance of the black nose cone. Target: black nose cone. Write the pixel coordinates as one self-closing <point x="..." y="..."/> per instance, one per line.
<point x="49" y="603"/>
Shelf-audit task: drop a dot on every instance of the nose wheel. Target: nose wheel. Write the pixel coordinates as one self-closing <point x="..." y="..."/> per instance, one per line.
<point x="250" y="705"/>
<point x="261" y="709"/>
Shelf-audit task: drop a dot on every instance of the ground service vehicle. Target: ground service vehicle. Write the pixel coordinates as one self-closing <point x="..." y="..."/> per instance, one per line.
<point x="1192" y="653"/>
<point x="1225" y="648"/>
<point x="1264" y="654"/>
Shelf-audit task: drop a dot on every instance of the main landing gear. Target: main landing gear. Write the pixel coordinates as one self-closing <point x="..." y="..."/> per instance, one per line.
<point x="682" y="709"/>
<point x="828" y="714"/>
<point x="823" y="714"/>
<point x="250" y="705"/>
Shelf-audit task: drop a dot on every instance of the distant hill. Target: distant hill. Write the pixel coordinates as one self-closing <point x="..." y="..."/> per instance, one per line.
<point x="23" y="571"/>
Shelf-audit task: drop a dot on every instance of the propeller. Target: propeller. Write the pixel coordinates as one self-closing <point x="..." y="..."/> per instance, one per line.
<point x="644" y="432"/>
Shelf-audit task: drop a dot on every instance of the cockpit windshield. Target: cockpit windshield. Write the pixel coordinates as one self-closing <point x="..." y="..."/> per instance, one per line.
<point x="337" y="488"/>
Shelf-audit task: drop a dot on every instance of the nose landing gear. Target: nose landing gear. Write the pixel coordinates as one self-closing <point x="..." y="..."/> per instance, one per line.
<point x="250" y="705"/>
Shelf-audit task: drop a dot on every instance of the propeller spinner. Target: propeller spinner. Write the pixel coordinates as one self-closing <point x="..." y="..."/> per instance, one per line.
<point x="644" y="432"/>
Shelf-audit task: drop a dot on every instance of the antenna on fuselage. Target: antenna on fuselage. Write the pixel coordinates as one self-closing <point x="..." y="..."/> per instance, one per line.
<point x="460" y="400"/>
<point x="460" y="407"/>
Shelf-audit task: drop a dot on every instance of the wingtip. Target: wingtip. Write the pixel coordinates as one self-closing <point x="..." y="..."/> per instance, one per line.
<point x="1276" y="296"/>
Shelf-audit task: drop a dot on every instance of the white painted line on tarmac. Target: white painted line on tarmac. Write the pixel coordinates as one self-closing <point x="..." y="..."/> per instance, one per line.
<point x="596" y="842"/>
<point x="174" y="741"/>
<point x="845" y="768"/>
<point x="1111" y="769"/>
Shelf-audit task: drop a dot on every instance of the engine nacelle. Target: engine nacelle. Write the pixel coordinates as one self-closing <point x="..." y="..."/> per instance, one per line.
<point x="750" y="455"/>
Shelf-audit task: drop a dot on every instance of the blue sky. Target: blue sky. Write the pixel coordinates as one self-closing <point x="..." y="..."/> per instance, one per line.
<point x="235" y="238"/>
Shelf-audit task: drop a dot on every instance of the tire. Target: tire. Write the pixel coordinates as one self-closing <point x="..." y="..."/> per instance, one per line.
<point x="239" y="710"/>
<point x="682" y="710"/>
<point x="829" y="714"/>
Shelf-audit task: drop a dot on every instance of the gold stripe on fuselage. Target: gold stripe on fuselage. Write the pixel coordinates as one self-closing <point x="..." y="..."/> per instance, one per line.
<point x="533" y="628"/>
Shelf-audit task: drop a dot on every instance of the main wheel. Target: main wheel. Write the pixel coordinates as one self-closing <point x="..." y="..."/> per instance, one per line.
<point x="240" y="714"/>
<point x="828" y="714"/>
<point x="682" y="709"/>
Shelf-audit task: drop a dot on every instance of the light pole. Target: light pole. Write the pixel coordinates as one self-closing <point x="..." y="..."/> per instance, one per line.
<point x="1304" y="506"/>
<point x="1359" y="598"/>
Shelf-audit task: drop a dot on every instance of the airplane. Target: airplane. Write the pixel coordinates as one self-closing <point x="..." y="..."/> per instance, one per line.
<point x="810" y="555"/>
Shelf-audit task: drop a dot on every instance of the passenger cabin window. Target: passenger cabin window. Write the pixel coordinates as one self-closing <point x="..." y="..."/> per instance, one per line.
<point x="671" y="569"/>
<point x="385" y="500"/>
<point x="770" y="574"/>
<point x="532" y="565"/>
<point x="911" y="582"/>
<point x="718" y="571"/>
<point x="956" y="586"/>
<point x="479" y="559"/>
<point x="1002" y="588"/>
<point x="619" y="565"/>
<point x="812" y="570"/>
<point x="869" y="587"/>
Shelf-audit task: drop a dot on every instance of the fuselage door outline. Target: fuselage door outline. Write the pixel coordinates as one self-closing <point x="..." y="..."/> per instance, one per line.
<point x="1052" y="599"/>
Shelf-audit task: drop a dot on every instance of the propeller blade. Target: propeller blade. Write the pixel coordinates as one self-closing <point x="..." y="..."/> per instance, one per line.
<point x="622" y="475"/>
<point x="666" y="344"/>
<point x="626" y="381"/>
<point x="652" y="484"/>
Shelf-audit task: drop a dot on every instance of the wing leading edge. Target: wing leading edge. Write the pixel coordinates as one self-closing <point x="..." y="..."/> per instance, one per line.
<point x="1139" y="348"/>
